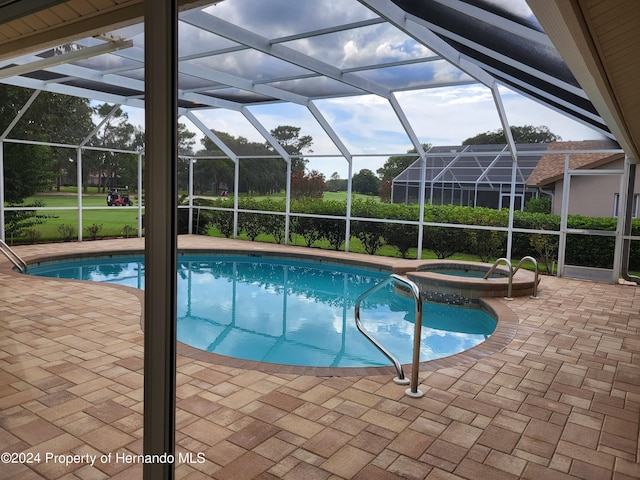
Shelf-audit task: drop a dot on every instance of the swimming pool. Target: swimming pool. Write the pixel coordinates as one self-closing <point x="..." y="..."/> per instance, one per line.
<point x="288" y="311"/>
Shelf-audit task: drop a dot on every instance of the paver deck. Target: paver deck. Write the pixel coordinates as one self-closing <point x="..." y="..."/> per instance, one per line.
<point x="559" y="399"/>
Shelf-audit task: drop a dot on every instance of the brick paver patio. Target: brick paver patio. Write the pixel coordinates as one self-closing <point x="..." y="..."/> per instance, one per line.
<point x="560" y="399"/>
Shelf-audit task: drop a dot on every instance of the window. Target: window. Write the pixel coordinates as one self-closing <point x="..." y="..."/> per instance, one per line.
<point x="616" y="203"/>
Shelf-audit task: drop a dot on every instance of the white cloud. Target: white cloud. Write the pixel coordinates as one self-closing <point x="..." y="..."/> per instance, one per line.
<point x="366" y="124"/>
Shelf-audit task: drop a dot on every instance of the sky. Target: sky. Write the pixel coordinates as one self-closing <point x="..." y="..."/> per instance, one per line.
<point x="441" y="117"/>
<point x="366" y="124"/>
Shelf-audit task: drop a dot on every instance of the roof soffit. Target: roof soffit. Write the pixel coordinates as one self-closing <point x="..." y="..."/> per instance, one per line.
<point x="593" y="37"/>
<point x="66" y="21"/>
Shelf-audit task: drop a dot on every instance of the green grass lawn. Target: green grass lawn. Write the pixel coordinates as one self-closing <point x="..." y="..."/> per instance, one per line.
<point x="112" y="219"/>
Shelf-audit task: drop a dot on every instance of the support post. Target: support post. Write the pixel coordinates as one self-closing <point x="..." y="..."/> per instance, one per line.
<point x="2" y="230"/>
<point x="347" y="243"/>
<point x="287" y="208"/>
<point x="191" y="162"/>
<point x="506" y="128"/>
<point x="421" y="200"/>
<point x="627" y="190"/>
<point x="564" y="214"/>
<point x="236" y="187"/>
<point x="161" y="112"/>
<point x="80" y="186"/>
<point x="140" y="196"/>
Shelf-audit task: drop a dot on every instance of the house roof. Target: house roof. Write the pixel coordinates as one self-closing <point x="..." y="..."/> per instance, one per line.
<point x="550" y="167"/>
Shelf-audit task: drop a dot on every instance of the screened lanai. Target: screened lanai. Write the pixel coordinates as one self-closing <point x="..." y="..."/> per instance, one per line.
<point x="470" y="175"/>
<point x="237" y="56"/>
<point x="240" y="61"/>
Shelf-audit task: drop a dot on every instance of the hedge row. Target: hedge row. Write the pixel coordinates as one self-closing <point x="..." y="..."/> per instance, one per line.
<point x="595" y="251"/>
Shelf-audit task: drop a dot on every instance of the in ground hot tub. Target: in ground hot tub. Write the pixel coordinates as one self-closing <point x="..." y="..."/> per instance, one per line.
<point x="459" y="282"/>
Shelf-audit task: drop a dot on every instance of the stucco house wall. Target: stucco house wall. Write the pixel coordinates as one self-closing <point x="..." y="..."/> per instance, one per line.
<point x="589" y="195"/>
<point x="592" y="195"/>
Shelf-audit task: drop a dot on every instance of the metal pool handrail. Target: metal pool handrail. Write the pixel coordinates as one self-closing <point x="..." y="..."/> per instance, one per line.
<point x="534" y="294"/>
<point x="417" y="296"/>
<point x="13" y="256"/>
<point x="508" y="264"/>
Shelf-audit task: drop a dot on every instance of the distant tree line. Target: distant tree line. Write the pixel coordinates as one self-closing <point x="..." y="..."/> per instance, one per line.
<point x="68" y="120"/>
<point x="62" y="119"/>
<point x="260" y="175"/>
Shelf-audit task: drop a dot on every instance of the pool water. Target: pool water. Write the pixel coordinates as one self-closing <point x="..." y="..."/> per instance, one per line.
<point x="291" y="312"/>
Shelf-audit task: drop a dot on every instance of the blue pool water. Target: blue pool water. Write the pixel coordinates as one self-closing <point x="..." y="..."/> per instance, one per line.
<point x="289" y="311"/>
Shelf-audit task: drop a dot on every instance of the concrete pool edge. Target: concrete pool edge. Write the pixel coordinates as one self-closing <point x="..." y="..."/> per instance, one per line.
<point x="506" y="320"/>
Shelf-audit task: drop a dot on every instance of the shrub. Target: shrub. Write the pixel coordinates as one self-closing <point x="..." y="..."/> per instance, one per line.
<point x="223" y="220"/>
<point x="546" y="248"/>
<point x="274" y="225"/>
<point x="32" y="234"/>
<point x="67" y="232"/>
<point x="444" y="241"/>
<point x="538" y="205"/>
<point x="128" y="230"/>
<point x="487" y="244"/>
<point x="370" y="234"/>
<point x="308" y="228"/>
<point x="403" y="237"/>
<point x="333" y="230"/>
<point x="93" y="230"/>
<point x="251" y="224"/>
<point x="18" y="222"/>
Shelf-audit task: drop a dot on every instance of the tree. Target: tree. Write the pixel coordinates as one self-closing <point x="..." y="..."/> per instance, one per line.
<point x="257" y="175"/>
<point x="397" y="164"/>
<point x="307" y="184"/>
<point x="186" y="140"/>
<point x="525" y="134"/>
<point x="393" y="167"/>
<point x="113" y="168"/>
<point x="72" y="119"/>
<point x="52" y="117"/>
<point x="336" y="184"/>
<point x="294" y="144"/>
<point x="366" y="182"/>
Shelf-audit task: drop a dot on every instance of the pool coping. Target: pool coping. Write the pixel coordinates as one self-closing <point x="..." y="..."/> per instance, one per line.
<point x="506" y="319"/>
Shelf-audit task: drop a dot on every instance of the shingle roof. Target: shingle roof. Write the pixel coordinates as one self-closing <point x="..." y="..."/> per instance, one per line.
<point x="550" y="168"/>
